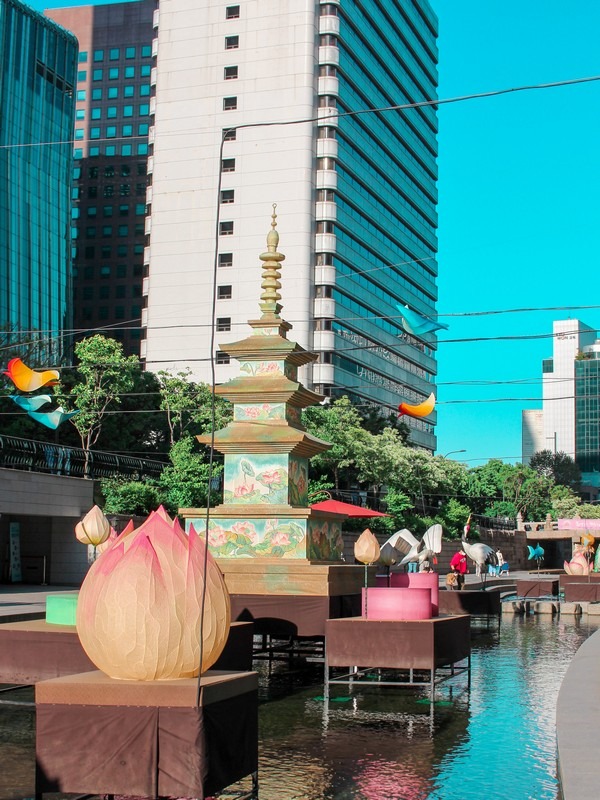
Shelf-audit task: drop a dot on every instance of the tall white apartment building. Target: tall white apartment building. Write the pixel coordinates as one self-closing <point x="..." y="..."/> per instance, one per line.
<point x="571" y="408"/>
<point x="253" y="106"/>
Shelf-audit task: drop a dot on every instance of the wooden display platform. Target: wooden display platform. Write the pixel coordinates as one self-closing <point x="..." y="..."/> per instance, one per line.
<point x="292" y="615"/>
<point x="97" y="735"/>
<point x="537" y="587"/>
<point x="35" y="650"/>
<point x="247" y="576"/>
<point x="476" y="602"/>
<point x="582" y="592"/>
<point x="424" y="646"/>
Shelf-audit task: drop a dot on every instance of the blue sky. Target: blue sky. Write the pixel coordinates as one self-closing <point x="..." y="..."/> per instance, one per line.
<point x="518" y="207"/>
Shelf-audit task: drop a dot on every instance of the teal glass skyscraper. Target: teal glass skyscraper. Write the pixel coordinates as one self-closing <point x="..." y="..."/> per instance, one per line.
<point x="37" y="77"/>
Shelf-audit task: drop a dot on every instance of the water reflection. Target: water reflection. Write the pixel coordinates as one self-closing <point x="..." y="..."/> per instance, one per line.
<point x="496" y="741"/>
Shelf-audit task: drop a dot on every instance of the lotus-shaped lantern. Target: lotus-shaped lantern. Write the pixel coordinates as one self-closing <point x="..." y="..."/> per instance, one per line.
<point x="366" y="548"/>
<point x="94" y="528"/>
<point x="140" y="605"/>
<point x="578" y="565"/>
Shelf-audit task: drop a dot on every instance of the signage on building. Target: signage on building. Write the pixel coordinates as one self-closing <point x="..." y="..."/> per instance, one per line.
<point x="579" y="524"/>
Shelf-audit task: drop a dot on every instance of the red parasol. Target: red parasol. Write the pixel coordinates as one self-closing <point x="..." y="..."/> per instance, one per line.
<point x="347" y="509"/>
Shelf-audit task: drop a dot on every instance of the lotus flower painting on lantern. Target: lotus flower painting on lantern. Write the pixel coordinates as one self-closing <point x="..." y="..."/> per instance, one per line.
<point x="243" y="538"/>
<point x="139" y="610"/>
<point x="256" y="479"/>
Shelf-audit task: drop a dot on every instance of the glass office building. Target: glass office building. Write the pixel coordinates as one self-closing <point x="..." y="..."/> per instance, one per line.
<point x="112" y="119"/>
<point x="37" y="78"/>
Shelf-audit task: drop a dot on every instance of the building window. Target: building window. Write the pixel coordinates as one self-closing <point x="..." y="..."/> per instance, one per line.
<point x="126" y="150"/>
<point x="96" y="113"/>
<point x="109" y="190"/>
<point x="98" y="55"/>
<point x="81" y="94"/>
<point x="94" y="151"/>
<point x="223" y="324"/>
<point x="222" y="358"/>
<point x="113" y="74"/>
<point x="128" y="91"/>
<point x="324" y="226"/>
<point x="144" y="110"/>
<point x="141" y="150"/>
<point x="130" y="72"/>
<point x="92" y="211"/>
<point x="229" y="134"/>
<point x="113" y="92"/>
<point x="97" y="75"/>
<point x="232" y="12"/>
<point x="327" y="40"/>
<point x="146" y="51"/>
<point x="145" y="70"/>
<point x="329" y="10"/>
<point x="106" y="232"/>
<point x="226" y="259"/>
<point x="79" y="133"/>
<point x="107" y="211"/>
<point x="324" y="259"/>
<point x="227" y="196"/>
<point x="113" y="54"/>
<point x="130" y="52"/>
<point x="127" y="130"/>
<point x="323" y="291"/>
<point x="145" y="90"/>
<point x="230" y="73"/>
<point x="111" y="112"/>
<point x="325" y="163"/>
<point x="327" y="101"/>
<point x="226" y="228"/>
<point x="111" y="131"/>
<point x="82" y="57"/>
<point x="105" y="271"/>
<point x="325" y="195"/>
<point x="224" y="292"/>
<point x="229" y="103"/>
<point x="82" y="75"/>
<point x="228" y="165"/>
<point x="96" y="94"/>
<point x="128" y="111"/>
<point x="232" y="42"/>
<point x="323" y="325"/>
<point x="124" y="210"/>
<point x="327" y="70"/>
<point x="325" y="132"/>
<point x="125" y="189"/>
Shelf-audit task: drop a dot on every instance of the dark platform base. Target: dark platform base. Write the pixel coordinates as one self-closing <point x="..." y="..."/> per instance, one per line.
<point x="292" y="615"/>
<point x="471" y="601"/>
<point x="96" y="735"/>
<point x="36" y="651"/>
<point x="408" y="645"/>
<point x="542" y="587"/>
<point x="582" y="592"/>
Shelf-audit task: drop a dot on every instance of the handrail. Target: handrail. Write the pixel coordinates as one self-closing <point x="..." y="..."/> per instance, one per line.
<point x="34" y="456"/>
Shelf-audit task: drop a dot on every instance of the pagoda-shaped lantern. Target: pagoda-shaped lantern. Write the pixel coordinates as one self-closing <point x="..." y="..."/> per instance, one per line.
<point x="265" y="511"/>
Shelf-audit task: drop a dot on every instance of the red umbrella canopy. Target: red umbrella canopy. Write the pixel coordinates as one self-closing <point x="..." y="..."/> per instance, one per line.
<point x="347" y="509"/>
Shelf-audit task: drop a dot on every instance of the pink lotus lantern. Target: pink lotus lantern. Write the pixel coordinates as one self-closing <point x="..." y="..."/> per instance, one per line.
<point x="578" y="565"/>
<point x="139" y="609"/>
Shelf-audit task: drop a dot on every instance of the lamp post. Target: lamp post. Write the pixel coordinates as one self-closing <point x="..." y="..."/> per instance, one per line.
<point x="453" y="451"/>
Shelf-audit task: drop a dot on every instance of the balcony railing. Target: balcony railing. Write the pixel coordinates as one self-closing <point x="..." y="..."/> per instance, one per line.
<point x="55" y="459"/>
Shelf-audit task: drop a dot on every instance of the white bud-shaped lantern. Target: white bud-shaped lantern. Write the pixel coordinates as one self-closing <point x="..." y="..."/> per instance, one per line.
<point x="138" y="614"/>
<point x="366" y="548"/>
<point x="94" y="528"/>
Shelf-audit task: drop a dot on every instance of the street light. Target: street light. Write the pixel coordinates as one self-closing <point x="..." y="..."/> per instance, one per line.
<point x="453" y="451"/>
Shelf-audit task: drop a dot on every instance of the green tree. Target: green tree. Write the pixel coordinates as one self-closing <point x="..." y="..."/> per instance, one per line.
<point x="565" y="503"/>
<point x="559" y="466"/>
<point x="184" y="483"/>
<point x="137" y="498"/>
<point x="379" y="458"/>
<point x="485" y="484"/>
<point x="103" y="374"/>
<point x="189" y="405"/>
<point x="340" y="424"/>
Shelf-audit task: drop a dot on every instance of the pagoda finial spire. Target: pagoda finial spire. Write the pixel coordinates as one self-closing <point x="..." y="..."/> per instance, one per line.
<point x="270" y="296"/>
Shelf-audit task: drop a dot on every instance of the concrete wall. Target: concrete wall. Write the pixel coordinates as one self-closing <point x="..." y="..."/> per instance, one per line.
<point x="47" y="508"/>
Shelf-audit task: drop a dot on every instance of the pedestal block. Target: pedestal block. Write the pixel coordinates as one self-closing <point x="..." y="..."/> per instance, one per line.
<point x="537" y="587"/>
<point x="97" y="735"/>
<point x="393" y="603"/>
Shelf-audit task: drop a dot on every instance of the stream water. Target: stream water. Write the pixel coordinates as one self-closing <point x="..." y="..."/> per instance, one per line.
<point x="495" y="739"/>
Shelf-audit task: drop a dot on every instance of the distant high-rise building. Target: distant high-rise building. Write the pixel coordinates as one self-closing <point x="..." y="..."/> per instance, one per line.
<point x="356" y="191"/>
<point x="571" y="407"/>
<point x="38" y="61"/>
<point x="532" y="433"/>
<point x="109" y="177"/>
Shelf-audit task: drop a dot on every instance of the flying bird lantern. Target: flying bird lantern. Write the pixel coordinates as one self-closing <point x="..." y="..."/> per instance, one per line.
<point x="416" y="323"/>
<point x="419" y="410"/>
<point x="29" y="380"/>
